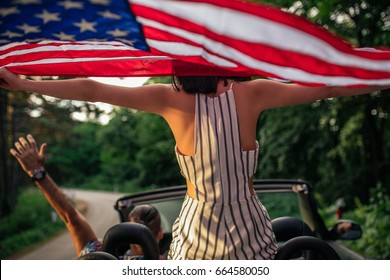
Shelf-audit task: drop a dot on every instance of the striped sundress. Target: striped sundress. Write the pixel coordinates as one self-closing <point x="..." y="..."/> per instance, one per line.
<point x="223" y="221"/>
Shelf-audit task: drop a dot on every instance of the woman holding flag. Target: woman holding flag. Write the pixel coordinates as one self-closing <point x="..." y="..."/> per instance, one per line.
<point x="213" y="120"/>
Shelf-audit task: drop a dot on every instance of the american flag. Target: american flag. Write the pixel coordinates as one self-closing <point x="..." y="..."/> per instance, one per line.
<point x="124" y="38"/>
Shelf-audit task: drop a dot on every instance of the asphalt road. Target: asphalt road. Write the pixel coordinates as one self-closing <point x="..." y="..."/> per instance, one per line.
<point x="100" y="214"/>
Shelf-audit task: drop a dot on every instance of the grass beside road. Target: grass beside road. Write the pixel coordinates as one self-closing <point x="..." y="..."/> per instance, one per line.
<point x="32" y="222"/>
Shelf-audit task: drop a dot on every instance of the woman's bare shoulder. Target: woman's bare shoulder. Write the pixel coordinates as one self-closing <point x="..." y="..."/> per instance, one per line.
<point x="256" y="94"/>
<point x="258" y="85"/>
<point x="252" y="89"/>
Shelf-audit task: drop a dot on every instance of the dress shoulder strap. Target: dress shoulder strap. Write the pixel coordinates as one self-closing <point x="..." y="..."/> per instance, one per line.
<point x="231" y="85"/>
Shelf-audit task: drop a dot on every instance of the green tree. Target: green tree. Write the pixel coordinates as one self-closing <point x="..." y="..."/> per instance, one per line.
<point x="49" y="120"/>
<point x="119" y="145"/>
<point x="289" y="140"/>
<point x="156" y="160"/>
<point x="342" y="146"/>
<point x="75" y="159"/>
<point x="5" y="187"/>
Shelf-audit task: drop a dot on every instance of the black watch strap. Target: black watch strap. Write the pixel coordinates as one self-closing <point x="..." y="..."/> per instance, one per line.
<point x="38" y="175"/>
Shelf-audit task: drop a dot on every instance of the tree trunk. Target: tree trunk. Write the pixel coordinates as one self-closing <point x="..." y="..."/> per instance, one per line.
<point x="373" y="150"/>
<point x="5" y="207"/>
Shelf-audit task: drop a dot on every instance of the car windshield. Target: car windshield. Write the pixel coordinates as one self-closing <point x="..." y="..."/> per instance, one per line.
<point x="278" y="204"/>
<point x="281" y="204"/>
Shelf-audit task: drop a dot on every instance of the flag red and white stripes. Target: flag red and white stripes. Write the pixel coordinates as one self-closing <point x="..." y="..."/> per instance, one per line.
<point x="106" y="59"/>
<point x="254" y="39"/>
<point x="210" y="37"/>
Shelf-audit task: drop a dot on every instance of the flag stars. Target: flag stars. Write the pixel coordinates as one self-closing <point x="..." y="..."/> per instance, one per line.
<point x="64" y="37"/>
<point x="100" y="2"/>
<point x="47" y="17"/>
<point x="36" y="40"/>
<point x="29" y="28"/>
<point x="67" y="20"/>
<point x="127" y="42"/>
<point x="86" y="26"/>
<point x="27" y="2"/>
<point x="8" y="11"/>
<point x="109" y="15"/>
<point x="71" y="4"/>
<point x="11" y="34"/>
<point x="118" y="33"/>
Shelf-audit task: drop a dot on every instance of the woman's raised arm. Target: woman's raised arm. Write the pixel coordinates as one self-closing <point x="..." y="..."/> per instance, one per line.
<point x="152" y="98"/>
<point x="268" y="94"/>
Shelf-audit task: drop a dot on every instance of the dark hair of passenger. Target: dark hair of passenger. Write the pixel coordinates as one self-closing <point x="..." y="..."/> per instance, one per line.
<point x="202" y="84"/>
<point x="147" y="215"/>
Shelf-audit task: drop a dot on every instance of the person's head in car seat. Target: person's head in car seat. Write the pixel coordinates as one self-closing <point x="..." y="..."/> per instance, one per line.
<point x="149" y="216"/>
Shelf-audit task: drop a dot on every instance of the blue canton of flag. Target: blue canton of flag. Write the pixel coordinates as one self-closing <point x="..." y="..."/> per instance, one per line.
<point x="82" y="20"/>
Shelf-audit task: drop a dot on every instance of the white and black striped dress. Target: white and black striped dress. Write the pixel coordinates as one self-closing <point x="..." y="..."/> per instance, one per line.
<point x="223" y="221"/>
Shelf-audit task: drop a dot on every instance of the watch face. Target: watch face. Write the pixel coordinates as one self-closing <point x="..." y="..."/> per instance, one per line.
<point x="38" y="174"/>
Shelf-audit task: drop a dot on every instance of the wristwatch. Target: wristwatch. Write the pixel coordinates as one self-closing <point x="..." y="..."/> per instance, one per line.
<point x="38" y="174"/>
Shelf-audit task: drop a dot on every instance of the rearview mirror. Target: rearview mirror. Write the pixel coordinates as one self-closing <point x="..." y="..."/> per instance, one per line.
<point x="346" y="230"/>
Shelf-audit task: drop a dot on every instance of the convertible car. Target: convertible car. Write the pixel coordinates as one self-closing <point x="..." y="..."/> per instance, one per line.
<point x="299" y="229"/>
